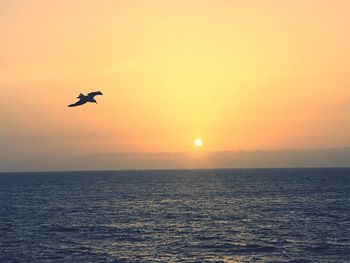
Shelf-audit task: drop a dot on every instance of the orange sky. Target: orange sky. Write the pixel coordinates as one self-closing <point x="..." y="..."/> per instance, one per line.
<point x="238" y="74"/>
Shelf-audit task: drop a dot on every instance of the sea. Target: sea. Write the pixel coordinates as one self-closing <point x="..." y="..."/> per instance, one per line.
<point x="226" y="215"/>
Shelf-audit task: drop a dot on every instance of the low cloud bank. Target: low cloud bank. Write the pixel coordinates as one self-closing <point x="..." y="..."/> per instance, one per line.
<point x="337" y="157"/>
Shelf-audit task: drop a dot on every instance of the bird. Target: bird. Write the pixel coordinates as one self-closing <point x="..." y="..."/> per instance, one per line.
<point x="86" y="98"/>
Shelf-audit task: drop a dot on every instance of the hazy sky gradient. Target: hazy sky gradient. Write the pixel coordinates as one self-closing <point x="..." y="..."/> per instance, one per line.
<point x="238" y="74"/>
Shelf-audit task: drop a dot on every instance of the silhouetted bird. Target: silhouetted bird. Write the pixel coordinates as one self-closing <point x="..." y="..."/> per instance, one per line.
<point x="84" y="99"/>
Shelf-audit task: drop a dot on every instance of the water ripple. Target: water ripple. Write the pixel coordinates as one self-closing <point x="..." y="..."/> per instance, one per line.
<point x="281" y="215"/>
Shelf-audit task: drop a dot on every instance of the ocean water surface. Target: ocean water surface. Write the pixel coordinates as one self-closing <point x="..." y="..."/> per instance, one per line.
<point x="241" y="215"/>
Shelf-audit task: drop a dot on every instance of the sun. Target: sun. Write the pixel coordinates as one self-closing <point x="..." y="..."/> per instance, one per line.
<point x="198" y="142"/>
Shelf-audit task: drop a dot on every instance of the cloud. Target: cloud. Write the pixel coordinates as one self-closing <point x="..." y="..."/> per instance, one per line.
<point x="336" y="157"/>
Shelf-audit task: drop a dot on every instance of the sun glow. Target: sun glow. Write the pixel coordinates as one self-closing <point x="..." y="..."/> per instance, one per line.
<point x="198" y="142"/>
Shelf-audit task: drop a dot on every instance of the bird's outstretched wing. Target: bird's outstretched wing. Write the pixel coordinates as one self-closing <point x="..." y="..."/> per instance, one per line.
<point x="78" y="103"/>
<point x="93" y="94"/>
